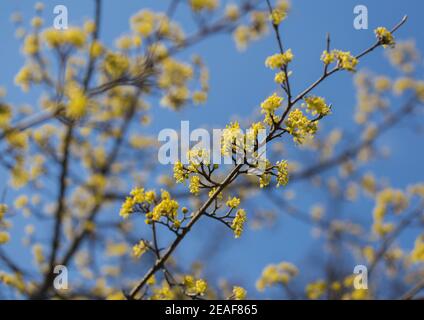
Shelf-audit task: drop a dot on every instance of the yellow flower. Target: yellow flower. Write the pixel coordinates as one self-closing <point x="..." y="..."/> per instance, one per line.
<point x="167" y="207"/>
<point x="282" y="173"/>
<point x="139" y="249"/>
<point x="78" y="101"/>
<point x="269" y="106"/>
<point x="231" y="136"/>
<point x="21" y="202"/>
<point x="232" y="12"/>
<point x="199" y="97"/>
<point x="115" y="64"/>
<point x="75" y="37"/>
<point x="242" y="36"/>
<point x="280" y="77"/>
<point x="13" y="280"/>
<point x="300" y="126"/>
<point x="273" y="274"/>
<point x="238" y="222"/>
<point x="3" y="210"/>
<point x="163" y="293"/>
<point x="124" y="43"/>
<point x="27" y="75"/>
<point x="201" y="286"/>
<point x="18" y="140"/>
<point x="233" y="202"/>
<point x="315" y="290"/>
<point x="239" y="293"/>
<point x="194" y="184"/>
<point x="317" y="105"/>
<point x="278" y="60"/>
<point x="345" y="60"/>
<point x="384" y="36"/>
<point x="31" y="45"/>
<point x="37" y="22"/>
<point x="264" y="180"/>
<point x="56" y="38"/>
<point x="118" y="295"/>
<point x="382" y="83"/>
<point x="4" y="237"/>
<point x="327" y="57"/>
<point x="89" y="26"/>
<point x="198" y="5"/>
<point x="127" y="207"/>
<point x="417" y="254"/>
<point x="96" y="49"/>
<point x="116" y="249"/>
<point x="277" y="16"/>
<point x="179" y="174"/>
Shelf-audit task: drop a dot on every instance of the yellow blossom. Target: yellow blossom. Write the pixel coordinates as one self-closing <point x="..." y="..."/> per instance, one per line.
<point x="239" y="293"/>
<point x="280" y="77"/>
<point x="417" y="254"/>
<point x="127" y="207"/>
<point x="327" y="57"/>
<point x="384" y="36"/>
<point x="194" y="184"/>
<point x="233" y="202"/>
<point x="277" y="16"/>
<point x="31" y="45"/>
<point x="317" y="105"/>
<point x="21" y="202"/>
<point x="281" y="273"/>
<point x="179" y="173"/>
<point x="198" y="5"/>
<point x="278" y="60"/>
<point x="282" y="173"/>
<point x="199" y="97"/>
<point x="3" y="210"/>
<point x="238" y="222"/>
<point x="299" y="126"/>
<point x="269" y="106"/>
<point x="139" y="249"/>
<point x="78" y="102"/>
<point x="115" y="64"/>
<point x="201" y="286"/>
<point x="167" y="207"/>
<point x="232" y="12"/>
<point x="315" y="290"/>
<point x="345" y="60"/>
<point x="4" y="237"/>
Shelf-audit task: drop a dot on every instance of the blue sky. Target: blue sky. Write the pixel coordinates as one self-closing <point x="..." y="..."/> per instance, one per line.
<point x="239" y="82"/>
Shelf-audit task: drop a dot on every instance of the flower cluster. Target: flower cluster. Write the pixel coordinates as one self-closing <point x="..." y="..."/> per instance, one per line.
<point x="278" y="60"/>
<point x="72" y="36"/>
<point x="137" y="196"/>
<point x="277" y="16"/>
<point x="166" y="207"/>
<point x="385" y="37"/>
<point x="139" y="249"/>
<point x="233" y="202"/>
<point x="194" y="287"/>
<point x="269" y="106"/>
<point x="239" y="293"/>
<point x="282" y="173"/>
<point x="417" y="254"/>
<point x="317" y="106"/>
<point x="299" y="126"/>
<point x="199" y="5"/>
<point x="386" y="199"/>
<point x="344" y="59"/>
<point x="238" y="222"/>
<point x="273" y="274"/>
